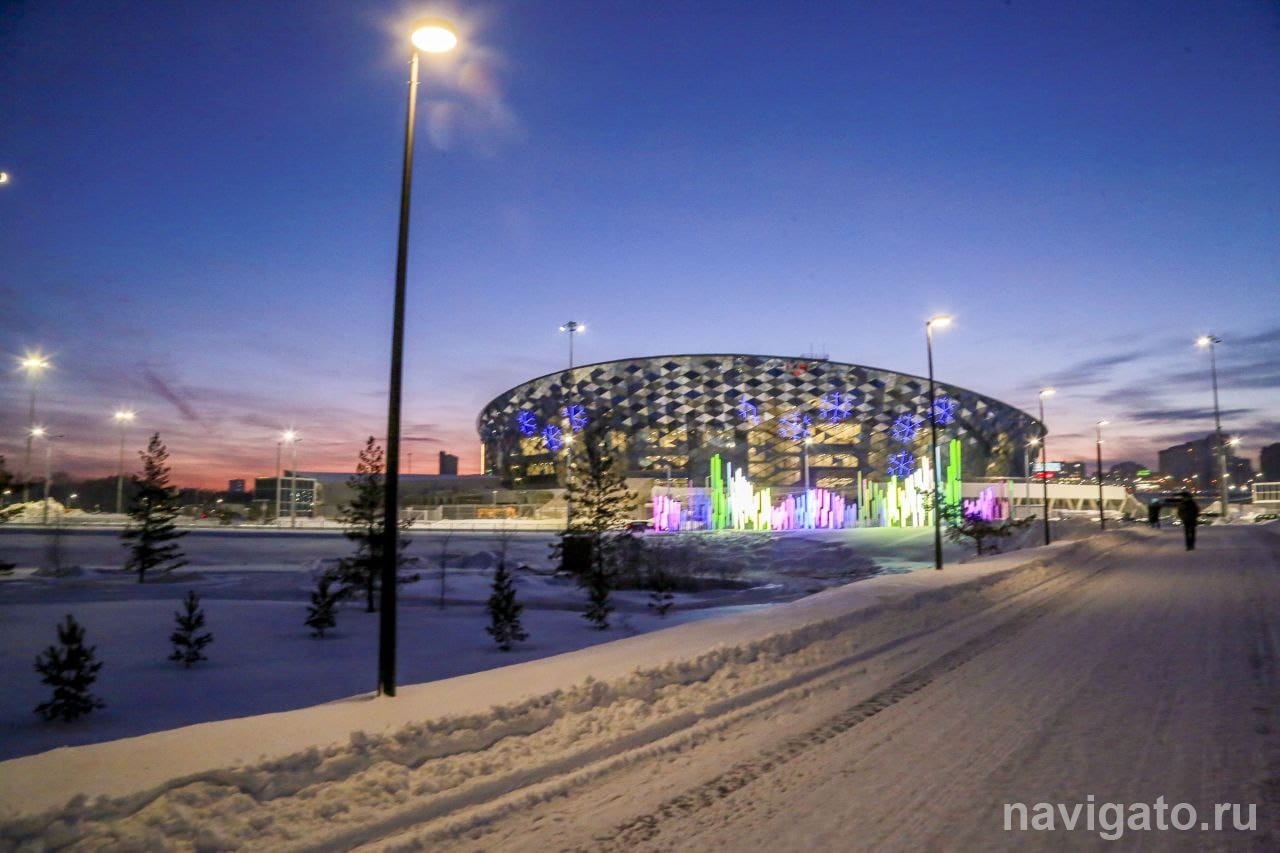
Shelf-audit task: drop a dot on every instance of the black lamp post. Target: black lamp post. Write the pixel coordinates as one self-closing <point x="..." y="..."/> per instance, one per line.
<point x="940" y="321"/>
<point x="432" y="36"/>
<point x="1210" y="341"/>
<point x="1102" y="518"/>
<point x="1044" y="460"/>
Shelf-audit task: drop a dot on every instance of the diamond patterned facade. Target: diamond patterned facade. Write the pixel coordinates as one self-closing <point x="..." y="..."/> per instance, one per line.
<point x="667" y="416"/>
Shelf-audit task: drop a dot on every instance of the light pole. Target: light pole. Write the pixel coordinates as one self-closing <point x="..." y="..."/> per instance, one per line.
<point x="940" y="321"/>
<point x="123" y="418"/>
<point x="432" y="36"/>
<point x="573" y="327"/>
<point x="34" y="364"/>
<point x="293" y="481"/>
<point x="286" y="437"/>
<point x="1102" y="518"/>
<point x="808" y="440"/>
<point x="1044" y="459"/>
<point x="1211" y="341"/>
<point x="1026" y="468"/>
<point x="41" y="432"/>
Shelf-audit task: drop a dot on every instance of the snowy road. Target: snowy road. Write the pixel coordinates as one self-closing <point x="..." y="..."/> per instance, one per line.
<point x="899" y="713"/>
<point x="1147" y="672"/>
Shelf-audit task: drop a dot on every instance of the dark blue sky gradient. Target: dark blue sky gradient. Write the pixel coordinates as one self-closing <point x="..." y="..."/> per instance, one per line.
<point x="201" y="217"/>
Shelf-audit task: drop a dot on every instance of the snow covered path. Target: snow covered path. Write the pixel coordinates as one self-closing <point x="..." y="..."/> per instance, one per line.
<point x="899" y="712"/>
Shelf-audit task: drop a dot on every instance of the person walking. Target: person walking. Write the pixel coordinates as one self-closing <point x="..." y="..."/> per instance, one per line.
<point x="1153" y="513"/>
<point x="1188" y="514"/>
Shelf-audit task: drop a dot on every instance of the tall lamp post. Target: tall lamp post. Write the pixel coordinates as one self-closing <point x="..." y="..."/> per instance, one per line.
<point x="1102" y="518"/>
<point x="34" y="365"/>
<point x="123" y="418"/>
<point x="940" y="321"/>
<point x="291" y="436"/>
<point x="1211" y="341"/>
<point x="430" y="36"/>
<point x="1027" y="452"/>
<point x="573" y="327"/>
<point x="1044" y="460"/>
<point x="40" y="432"/>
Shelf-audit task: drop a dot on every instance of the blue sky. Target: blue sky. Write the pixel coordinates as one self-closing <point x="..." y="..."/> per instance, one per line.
<point x="201" y="218"/>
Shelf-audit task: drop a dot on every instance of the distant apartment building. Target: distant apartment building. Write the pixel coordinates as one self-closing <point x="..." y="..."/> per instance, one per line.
<point x="448" y="464"/>
<point x="1196" y="463"/>
<point x="235" y="487"/>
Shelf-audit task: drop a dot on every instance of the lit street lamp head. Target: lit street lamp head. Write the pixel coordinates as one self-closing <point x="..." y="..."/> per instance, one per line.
<point x="434" y="35"/>
<point x="289" y="436"/>
<point x="33" y="363"/>
<point x="941" y="321"/>
<point x="4" y="177"/>
<point x="124" y="416"/>
<point x="1207" y="340"/>
<point x="573" y="326"/>
<point x="37" y="432"/>
<point x="1048" y="392"/>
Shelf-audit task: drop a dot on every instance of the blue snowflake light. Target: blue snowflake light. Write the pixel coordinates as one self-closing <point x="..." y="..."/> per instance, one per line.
<point x="944" y="410"/>
<point x="836" y="407"/>
<point x="904" y="429"/>
<point x="553" y="437"/>
<point x="577" y="417"/>
<point x="527" y="423"/>
<point x="901" y="464"/>
<point x="794" y="426"/>
<point x="748" y="412"/>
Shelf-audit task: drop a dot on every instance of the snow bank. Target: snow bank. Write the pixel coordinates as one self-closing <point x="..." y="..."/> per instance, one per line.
<point x="338" y="774"/>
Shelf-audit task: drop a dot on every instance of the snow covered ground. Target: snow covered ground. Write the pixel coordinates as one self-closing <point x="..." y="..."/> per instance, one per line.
<point x="900" y="711"/>
<point x="254" y="588"/>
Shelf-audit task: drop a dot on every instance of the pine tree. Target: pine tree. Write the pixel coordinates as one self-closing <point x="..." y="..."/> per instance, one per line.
<point x="364" y="520"/>
<point x="504" y="611"/>
<point x="322" y="612"/>
<point x="660" y="595"/>
<point x="188" y="642"/>
<point x="151" y="534"/>
<point x="70" y="669"/>
<point x="597" y="491"/>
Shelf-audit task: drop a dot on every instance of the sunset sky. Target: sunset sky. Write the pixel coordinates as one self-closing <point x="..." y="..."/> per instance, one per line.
<point x="200" y="219"/>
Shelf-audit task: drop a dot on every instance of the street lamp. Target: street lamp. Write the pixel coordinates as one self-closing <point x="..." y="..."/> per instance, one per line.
<point x="940" y="321"/>
<point x="1044" y="459"/>
<point x="41" y="432"/>
<point x="1102" y="518"/>
<point x="34" y="364"/>
<point x="292" y="437"/>
<point x="1026" y="468"/>
<point x="573" y="327"/>
<point x="123" y="418"/>
<point x="286" y="437"/>
<point x="1211" y="341"/>
<point x="431" y="36"/>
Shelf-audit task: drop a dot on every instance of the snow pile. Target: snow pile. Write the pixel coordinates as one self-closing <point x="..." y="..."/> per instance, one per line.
<point x="345" y="773"/>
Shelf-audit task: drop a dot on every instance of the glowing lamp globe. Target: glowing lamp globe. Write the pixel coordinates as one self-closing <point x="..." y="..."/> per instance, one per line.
<point x="434" y="35"/>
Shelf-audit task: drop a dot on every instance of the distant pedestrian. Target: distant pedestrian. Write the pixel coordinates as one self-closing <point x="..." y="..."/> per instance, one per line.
<point x="1188" y="514"/>
<point x="1153" y="513"/>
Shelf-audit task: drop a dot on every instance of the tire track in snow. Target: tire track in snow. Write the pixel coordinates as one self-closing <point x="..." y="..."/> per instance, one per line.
<point x="646" y="827"/>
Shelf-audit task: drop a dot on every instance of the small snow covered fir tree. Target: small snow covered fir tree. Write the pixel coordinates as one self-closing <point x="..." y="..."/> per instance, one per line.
<point x="188" y="642"/>
<point x="151" y="535"/>
<point x="601" y="504"/>
<point x="70" y="669"/>
<point x="322" y="612"/>
<point x="363" y="518"/>
<point x="504" y="611"/>
<point x="660" y="595"/>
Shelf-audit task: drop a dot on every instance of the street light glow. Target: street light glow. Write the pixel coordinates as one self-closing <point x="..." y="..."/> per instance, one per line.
<point x="34" y="362"/>
<point x="1207" y="340"/>
<point x="1048" y="392"/>
<point x="4" y="177"/>
<point x="941" y="321"/>
<point x="434" y="35"/>
<point x="288" y="436"/>
<point x="124" y="416"/>
<point x="37" y="432"/>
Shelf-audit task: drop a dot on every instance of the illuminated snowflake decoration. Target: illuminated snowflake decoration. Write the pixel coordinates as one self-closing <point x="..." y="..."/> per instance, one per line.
<point x="944" y="410"/>
<point x="748" y="412"/>
<point x="527" y="423"/>
<point x="901" y="464"/>
<point x="553" y="437"/>
<point x="904" y="429"/>
<point x="836" y="407"/>
<point x="795" y="426"/>
<point x="577" y="417"/>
